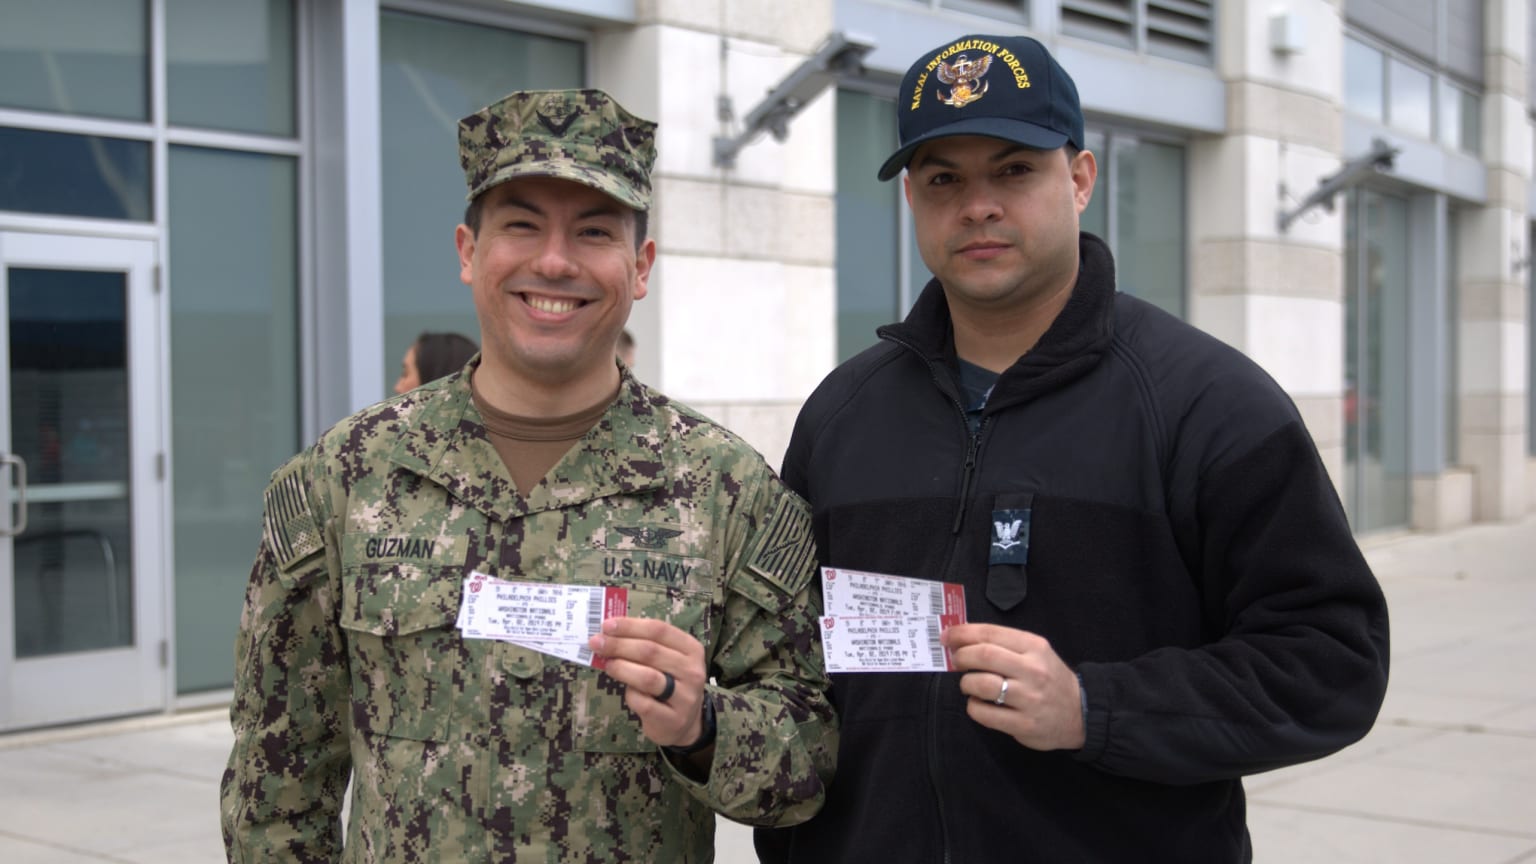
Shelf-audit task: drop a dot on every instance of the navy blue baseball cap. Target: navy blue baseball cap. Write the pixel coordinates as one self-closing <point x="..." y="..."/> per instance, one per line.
<point x="1006" y="87"/>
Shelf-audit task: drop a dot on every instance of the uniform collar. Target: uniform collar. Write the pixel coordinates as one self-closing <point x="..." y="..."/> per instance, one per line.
<point x="443" y="439"/>
<point x="1072" y="344"/>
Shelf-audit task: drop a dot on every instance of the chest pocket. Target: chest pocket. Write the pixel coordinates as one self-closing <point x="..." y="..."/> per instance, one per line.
<point x="403" y="647"/>
<point x="602" y="722"/>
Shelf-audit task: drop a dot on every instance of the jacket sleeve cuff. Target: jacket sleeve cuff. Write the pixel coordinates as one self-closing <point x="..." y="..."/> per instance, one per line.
<point x="1095" y="689"/>
<point x="705" y="787"/>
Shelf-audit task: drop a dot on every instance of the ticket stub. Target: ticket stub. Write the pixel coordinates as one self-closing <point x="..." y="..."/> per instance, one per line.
<point x="886" y="643"/>
<point x="856" y="592"/>
<point x="574" y="652"/>
<point x="553" y="619"/>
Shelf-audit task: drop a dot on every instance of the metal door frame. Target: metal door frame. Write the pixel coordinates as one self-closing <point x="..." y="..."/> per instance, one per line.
<point x="137" y="678"/>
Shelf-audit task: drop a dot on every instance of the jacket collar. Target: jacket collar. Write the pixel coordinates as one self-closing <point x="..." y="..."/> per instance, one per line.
<point x="442" y="438"/>
<point x="1070" y="347"/>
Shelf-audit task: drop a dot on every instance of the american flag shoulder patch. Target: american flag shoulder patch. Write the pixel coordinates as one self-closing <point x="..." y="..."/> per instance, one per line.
<point x="784" y="550"/>
<point x="292" y="532"/>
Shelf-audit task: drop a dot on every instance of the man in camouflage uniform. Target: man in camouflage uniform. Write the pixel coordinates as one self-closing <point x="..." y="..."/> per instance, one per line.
<point x="545" y="461"/>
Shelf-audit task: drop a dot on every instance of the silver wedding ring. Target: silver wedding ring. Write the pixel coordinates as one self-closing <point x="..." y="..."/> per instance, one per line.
<point x="1002" y="695"/>
<point x="666" y="692"/>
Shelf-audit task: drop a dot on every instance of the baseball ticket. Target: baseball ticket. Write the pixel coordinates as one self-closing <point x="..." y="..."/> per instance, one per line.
<point x="876" y="622"/>
<point x="888" y="643"/>
<point x="553" y="619"/>
<point x="856" y="592"/>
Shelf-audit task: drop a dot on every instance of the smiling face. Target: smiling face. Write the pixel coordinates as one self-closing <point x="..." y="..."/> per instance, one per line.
<point x="555" y="269"/>
<point x="996" y="222"/>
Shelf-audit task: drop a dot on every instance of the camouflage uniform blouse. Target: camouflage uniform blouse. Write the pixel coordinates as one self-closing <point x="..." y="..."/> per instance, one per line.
<point x="474" y="750"/>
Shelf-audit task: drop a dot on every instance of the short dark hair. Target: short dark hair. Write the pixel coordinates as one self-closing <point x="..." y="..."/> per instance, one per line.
<point x="476" y="205"/>
<point x="439" y="354"/>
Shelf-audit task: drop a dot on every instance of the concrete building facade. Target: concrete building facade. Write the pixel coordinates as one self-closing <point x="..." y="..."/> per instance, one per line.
<point x="223" y="221"/>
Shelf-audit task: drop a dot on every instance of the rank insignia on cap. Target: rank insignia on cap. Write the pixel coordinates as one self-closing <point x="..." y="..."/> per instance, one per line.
<point x="962" y="76"/>
<point x="556" y="114"/>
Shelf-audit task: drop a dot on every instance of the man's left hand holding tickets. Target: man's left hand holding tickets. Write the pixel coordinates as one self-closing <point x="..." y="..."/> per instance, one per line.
<point x="1041" y="704"/>
<point x="641" y="653"/>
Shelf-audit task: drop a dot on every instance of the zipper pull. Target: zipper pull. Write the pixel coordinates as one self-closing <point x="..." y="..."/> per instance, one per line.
<point x="965" y="476"/>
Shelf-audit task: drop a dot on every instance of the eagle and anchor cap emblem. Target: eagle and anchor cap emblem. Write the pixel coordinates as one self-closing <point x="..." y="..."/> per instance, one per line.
<point x="584" y="136"/>
<point x="1007" y="87"/>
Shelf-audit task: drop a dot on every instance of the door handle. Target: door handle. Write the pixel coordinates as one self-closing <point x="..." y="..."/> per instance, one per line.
<point x="19" y="522"/>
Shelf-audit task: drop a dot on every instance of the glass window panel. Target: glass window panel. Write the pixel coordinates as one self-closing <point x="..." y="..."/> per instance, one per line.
<point x="868" y="222"/>
<point x="230" y="64"/>
<point x="1471" y="121"/>
<point x="1149" y="205"/>
<point x="1364" y="85"/>
<point x="69" y="406"/>
<point x="76" y="57"/>
<point x="1408" y="89"/>
<point x="74" y="175"/>
<point x="1352" y="293"/>
<point x="1448" y="127"/>
<point x="435" y="72"/>
<point x="234" y="382"/>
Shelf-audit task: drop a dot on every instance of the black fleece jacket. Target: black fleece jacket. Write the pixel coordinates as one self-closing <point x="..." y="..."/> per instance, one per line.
<point x="1187" y="556"/>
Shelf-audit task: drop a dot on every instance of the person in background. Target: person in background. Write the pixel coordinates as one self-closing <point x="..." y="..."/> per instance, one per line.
<point x="546" y="463"/>
<point x="432" y="356"/>
<point x="1163" y="594"/>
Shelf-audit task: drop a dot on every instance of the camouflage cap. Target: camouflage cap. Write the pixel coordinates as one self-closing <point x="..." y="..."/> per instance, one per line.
<point x="580" y="135"/>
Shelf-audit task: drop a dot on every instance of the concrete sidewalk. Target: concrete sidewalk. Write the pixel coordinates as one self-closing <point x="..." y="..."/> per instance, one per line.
<point x="1448" y="774"/>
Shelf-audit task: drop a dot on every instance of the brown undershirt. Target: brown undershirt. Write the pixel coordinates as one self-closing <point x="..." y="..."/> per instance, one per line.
<point x="530" y="446"/>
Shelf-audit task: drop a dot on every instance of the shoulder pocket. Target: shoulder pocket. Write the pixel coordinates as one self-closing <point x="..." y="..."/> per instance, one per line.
<point x="782" y="556"/>
<point x="289" y="525"/>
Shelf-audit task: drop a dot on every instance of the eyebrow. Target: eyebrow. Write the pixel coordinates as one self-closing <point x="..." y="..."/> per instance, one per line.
<point x="1007" y="152"/>
<point x="590" y="213"/>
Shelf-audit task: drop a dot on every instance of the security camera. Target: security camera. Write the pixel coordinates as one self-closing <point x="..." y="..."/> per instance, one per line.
<point x="1382" y="156"/>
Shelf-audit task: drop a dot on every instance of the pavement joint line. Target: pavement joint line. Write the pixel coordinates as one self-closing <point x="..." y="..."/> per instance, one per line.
<point x="127" y="769"/>
<point x="1467" y="728"/>
<point x="73" y="850"/>
<point x="1396" y="820"/>
<point x="122" y="726"/>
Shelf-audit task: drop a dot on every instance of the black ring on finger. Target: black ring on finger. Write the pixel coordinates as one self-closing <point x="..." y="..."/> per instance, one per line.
<point x="666" y="692"/>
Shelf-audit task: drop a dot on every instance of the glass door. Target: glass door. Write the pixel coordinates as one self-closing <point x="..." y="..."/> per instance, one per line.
<point x="1376" y="429"/>
<point x="82" y="571"/>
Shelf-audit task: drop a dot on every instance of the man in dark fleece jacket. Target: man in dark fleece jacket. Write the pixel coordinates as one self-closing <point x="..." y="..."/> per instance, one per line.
<point x="1164" y="594"/>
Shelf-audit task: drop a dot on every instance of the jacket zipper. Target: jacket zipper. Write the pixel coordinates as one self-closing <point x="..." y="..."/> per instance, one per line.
<point x="972" y="448"/>
<point x="973" y="442"/>
<point x="933" y="762"/>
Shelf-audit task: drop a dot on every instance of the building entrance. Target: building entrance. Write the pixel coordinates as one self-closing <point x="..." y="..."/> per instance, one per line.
<point x="83" y="576"/>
